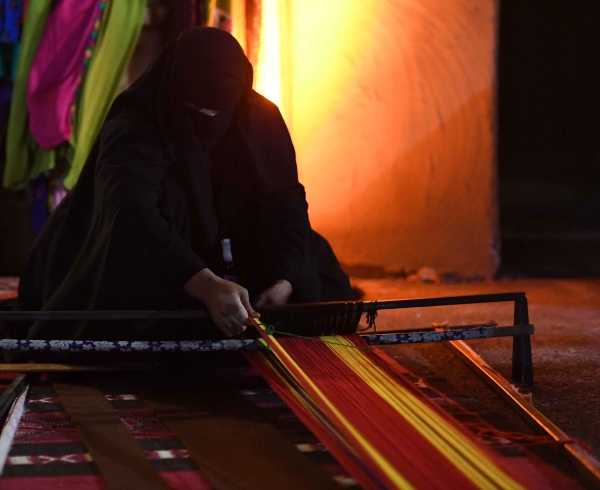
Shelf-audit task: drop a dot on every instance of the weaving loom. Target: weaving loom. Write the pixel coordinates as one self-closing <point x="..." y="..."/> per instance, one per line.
<point x="355" y="400"/>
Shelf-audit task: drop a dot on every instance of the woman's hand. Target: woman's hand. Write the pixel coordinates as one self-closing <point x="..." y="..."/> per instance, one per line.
<point x="226" y="301"/>
<point x="277" y="295"/>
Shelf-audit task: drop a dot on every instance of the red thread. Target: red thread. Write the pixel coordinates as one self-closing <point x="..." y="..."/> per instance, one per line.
<point x="393" y="436"/>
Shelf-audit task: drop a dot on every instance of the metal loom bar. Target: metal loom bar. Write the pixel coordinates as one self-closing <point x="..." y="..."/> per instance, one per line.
<point x="203" y="314"/>
<point x="40" y="367"/>
<point x="389" y="338"/>
<point x="443" y="301"/>
<point x="521" y="359"/>
<point x="13" y="390"/>
<point x="587" y="465"/>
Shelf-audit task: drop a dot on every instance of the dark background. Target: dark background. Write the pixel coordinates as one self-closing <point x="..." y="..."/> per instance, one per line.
<point x="549" y="137"/>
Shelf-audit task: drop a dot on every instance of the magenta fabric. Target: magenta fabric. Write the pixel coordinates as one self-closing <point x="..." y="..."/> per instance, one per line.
<point x="57" y="70"/>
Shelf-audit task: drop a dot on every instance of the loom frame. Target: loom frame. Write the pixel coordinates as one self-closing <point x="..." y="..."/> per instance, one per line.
<point x="586" y="465"/>
<point x="521" y="330"/>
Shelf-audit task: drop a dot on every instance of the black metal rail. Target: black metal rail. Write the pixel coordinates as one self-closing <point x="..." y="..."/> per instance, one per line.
<point x="585" y="463"/>
<point x="203" y="314"/>
<point x="14" y="389"/>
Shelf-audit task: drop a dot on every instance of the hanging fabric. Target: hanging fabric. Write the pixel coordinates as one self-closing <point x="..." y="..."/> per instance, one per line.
<point x="117" y="35"/>
<point x="117" y="39"/>
<point x="58" y="68"/>
<point x="20" y="164"/>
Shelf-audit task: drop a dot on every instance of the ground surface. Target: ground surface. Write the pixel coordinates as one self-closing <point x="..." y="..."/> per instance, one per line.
<point x="566" y="344"/>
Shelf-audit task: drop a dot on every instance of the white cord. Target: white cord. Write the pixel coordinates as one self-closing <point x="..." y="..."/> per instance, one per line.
<point x="10" y="427"/>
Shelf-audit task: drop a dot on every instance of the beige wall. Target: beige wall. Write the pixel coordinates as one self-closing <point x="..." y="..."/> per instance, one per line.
<point x="391" y="108"/>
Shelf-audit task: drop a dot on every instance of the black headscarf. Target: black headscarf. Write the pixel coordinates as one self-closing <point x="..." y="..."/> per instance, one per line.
<point x="164" y="184"/>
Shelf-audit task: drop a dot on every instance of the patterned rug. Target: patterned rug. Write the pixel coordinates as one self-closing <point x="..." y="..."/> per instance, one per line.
<point x="8" y="288"/>
<point x="48" y="452"/>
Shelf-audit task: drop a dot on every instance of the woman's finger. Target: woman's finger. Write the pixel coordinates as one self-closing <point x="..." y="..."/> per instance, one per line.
<point x="245" y="299"/>
<point x="226" y="327"/>
<point x="237" y="327"/>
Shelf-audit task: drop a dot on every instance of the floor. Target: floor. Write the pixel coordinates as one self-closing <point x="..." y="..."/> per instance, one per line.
<point x="566" y="345"/>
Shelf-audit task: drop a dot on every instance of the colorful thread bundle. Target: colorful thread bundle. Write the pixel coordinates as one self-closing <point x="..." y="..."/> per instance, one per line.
<point x="379" y="427"/>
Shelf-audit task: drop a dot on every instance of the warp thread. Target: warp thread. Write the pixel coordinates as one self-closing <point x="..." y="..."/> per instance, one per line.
<point x="270" y="330"/>
<point x="346" y="385"/>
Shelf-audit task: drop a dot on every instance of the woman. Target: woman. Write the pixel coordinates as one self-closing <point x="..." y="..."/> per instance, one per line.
<point x="189" y="158"/>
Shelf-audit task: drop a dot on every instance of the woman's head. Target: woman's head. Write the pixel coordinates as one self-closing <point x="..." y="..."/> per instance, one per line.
<point x="210" y="76"/>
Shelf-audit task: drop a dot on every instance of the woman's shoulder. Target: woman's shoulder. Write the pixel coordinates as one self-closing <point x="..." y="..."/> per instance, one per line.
<point x="259" y="104"/>
<point x="127" y="129"/>
<point x="264" y="115"/>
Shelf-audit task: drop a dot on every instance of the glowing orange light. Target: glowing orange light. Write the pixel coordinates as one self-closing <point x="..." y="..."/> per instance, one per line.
<point x="238" y="16"/>
<point x="268" y="73"/>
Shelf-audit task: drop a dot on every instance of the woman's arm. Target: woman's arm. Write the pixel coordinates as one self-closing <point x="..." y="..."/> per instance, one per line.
<point x="227" y="302"/>
<point x="129" y="172"/>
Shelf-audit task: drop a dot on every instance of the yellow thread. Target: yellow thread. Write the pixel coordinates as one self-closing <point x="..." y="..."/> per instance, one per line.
<point x="427" y="422"/>
<point x="449" y="441"/>
<point x="392" y="473"/>
<point x="294" y="390"/>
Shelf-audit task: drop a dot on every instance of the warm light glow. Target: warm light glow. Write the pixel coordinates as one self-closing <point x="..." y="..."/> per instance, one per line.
<point x="238" y="19"/>
<point x="389" y="104"/>
<point x="390" y="109"/>
<point x="268" y="72"/>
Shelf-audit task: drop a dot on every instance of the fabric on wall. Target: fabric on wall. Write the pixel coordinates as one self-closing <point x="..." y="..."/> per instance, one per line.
<point x="57" y="69"/>
<point x="119" y="31"/>
<point x="116" y="42"/>
<point x="19" y="170"/>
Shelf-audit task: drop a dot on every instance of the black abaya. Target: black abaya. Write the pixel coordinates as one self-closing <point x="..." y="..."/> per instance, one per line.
<point x="157" y="194"/>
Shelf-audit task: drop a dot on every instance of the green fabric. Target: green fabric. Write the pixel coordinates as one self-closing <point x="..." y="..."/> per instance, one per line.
<point x="19" y="143"/>
<point x="119" y="33"/>
<point x="120" y="29"/>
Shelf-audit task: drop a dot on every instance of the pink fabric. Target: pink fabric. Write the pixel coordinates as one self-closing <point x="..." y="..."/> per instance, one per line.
<point x="57" y="68"/>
